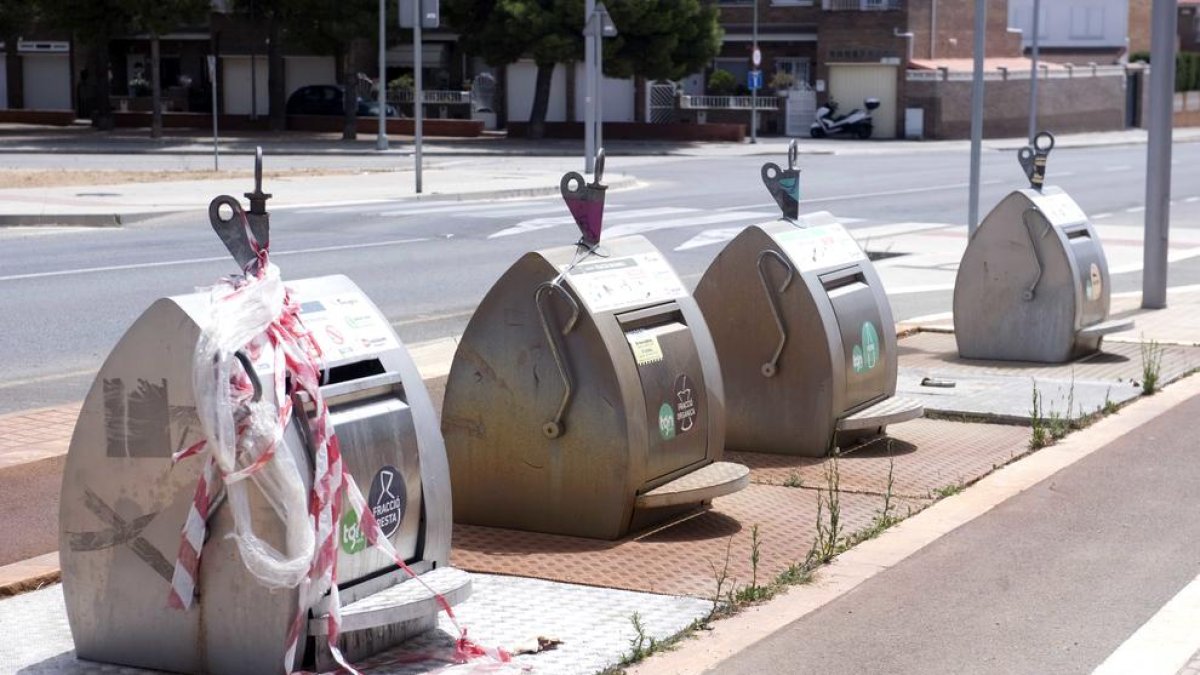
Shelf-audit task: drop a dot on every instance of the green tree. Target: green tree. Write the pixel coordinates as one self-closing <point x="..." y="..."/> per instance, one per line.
<point x="157" y="17"/>
<point x="658" y="39"/>
<point x="339" y="28"/>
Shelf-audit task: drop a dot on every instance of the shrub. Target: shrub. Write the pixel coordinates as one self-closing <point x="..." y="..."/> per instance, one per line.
<point x="721" y="83"/>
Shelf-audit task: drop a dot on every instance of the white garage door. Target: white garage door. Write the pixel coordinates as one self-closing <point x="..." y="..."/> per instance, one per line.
<point x="850" y="83"/>
<point x="47" y="80"/>
<point x="239" y="85"/>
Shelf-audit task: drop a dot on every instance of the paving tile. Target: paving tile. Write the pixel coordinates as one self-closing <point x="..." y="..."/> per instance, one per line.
<point x="924" y="454"/>
<point x="681" y="559"/>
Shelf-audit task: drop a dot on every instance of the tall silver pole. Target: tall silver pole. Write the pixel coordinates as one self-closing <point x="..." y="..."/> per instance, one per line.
<point x="754" y="89"/>
<point x="1158" y="154"/>
<point x="590" y="38"/>
<point x="599" y="42"/>
<point x="1033" y="72"/>
<point x="418" y="92"/>
<point x="381" y="139"/>
<point x="976" y="116"/>
<point x="212" y="77"/>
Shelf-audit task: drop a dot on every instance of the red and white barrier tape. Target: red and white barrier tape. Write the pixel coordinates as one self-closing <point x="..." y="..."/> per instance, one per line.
<point x="256" y="437"/>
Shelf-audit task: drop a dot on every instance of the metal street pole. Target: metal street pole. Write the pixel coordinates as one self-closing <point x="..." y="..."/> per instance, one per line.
<point x="1033" y="72"/>
<point x="1158" y="154"/>
<point x="589" y="87"/>
<point x="418" y="93"/>
<point x="976" y="117"/>
<point x="253" y="69"/>
<point x="754" y="89"/>
<point x="381" y="139"/>
<point x="212" y="78"/>
<point x="598" y="84"/>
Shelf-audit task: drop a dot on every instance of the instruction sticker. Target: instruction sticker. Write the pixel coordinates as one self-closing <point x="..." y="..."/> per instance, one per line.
<point x="606" y="285"/>
<point x="1094" y="285"/>
<point x="820" y="246"/>
<point x="1060" y="209"/>
<point x="646" y="349"/>
<point x="346" y="326"/>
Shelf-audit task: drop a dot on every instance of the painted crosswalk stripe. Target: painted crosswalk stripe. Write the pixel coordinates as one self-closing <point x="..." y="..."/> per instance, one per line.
<point x="1163" y="644"/>
<point x="692" y="220"/>
<point x="535" y="224"/>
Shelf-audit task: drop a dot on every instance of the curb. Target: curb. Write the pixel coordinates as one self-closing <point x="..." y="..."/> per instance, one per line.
<point x="29" y="575"/>
<point x="121" y="219"/>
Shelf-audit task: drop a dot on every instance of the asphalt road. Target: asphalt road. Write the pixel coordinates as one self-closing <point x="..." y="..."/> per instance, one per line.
<point x="1052" y="580"/>
<point x="68" y="294"/>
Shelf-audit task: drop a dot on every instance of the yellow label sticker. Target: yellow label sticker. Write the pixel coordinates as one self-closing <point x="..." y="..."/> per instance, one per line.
<point x="646" y="350"/>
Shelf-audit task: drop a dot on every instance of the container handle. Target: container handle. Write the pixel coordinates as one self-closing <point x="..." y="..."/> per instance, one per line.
<point x="554" y="428"/>
<point x="771" y="367"/>
<point x="1028" y="293"/>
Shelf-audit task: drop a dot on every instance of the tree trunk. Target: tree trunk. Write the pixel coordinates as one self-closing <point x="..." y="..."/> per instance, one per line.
<point x="14" y="73"/>
<point x="349" y="96"/>
<point x="102" y="117"/>
<point x="541" y="101"/>
<point x="156" y="120"/>
<point x="276" y="92"/>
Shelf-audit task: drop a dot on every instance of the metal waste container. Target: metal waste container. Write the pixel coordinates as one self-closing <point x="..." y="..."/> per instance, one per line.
<point x="1033" y="284"/>
<point x="803" y="331"/>
<point x="124" y="503"/>
<point x="585" y="397"/>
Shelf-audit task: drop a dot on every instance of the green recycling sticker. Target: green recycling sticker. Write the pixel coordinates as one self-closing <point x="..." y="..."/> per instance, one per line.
<point x="866" y="353"/>
<point x="352" y="538"/>
<point x="666" y="421"/>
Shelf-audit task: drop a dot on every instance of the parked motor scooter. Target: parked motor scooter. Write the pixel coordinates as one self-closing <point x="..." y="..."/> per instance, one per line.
<point x="857" y="122"/>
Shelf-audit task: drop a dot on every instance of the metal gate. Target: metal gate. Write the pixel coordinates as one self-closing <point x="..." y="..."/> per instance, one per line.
<point x="660" y="102"/>
<point x="801" y="110"/>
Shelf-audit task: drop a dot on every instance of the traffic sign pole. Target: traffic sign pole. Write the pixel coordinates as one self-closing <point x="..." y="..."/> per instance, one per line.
<point x="756" y="57"/>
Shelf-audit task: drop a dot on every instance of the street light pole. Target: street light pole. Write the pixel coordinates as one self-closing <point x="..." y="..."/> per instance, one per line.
<point x="590" y="38"/>
<point x="1158" y="154"/>
<point x="1033" y="72"/>
<point x="381" y="139"/>
<point x="976" y="117"/>
<point x="754" y="89"/>
<point x="418" y="94"/>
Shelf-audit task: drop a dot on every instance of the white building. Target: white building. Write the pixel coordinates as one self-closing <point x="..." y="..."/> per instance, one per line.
<point x="1076" y="31"/>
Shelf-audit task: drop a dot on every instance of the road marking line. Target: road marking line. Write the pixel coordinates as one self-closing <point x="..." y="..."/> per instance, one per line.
<point x="535" y="224"/>
<point x="195" y="261"/>
<point x="46" y="378"/>
<point x="868" y="195"/>
<point x="1165" y="643"/>
<point x="1190" y="200"/>
<point x="1135" y="209"/>
<point x="1098" y="216"/>
<point x="1116" y="167"/>
<point x="686" y="221"/>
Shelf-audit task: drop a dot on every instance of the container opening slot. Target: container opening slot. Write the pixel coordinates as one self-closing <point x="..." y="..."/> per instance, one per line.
<point x="651" y="316"/>
<point x="842" y="280"/>
<point x="1081" y="233"/>
<point x="353" y="371"/>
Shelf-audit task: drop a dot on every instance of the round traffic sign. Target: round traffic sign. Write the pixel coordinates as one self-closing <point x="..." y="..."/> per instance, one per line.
<point x="756" y="57"/>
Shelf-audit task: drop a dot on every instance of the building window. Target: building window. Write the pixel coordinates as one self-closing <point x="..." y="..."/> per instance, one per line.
<point x="739" y="68"/>
<point x="1087" y="23"/>
<point x="797" y="67"/>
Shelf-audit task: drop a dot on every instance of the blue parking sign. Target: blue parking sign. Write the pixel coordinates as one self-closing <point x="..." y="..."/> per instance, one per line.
<point x="754" y="79"/>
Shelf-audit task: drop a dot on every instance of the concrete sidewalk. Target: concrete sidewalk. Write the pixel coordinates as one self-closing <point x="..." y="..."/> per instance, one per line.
<point x="83" y="140"/>
<point x="110" y="205"/>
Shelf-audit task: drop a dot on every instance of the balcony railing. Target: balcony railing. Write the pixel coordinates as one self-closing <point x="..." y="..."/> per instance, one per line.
<point x="859" y="5"/>
<point x="432" y="96"/>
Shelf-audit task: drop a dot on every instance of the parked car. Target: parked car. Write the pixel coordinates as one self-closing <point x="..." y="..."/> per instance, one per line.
<point x="326" y="99"/>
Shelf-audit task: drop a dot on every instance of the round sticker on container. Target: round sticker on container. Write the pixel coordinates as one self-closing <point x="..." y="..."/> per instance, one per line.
<point x="666" y="421"/>
<point x="685" y="405"/>
<point x="351" y="538"/>
<point x="870" y="345"/>
<point x="387" y="499"/>
<point x="1095" y="283"/>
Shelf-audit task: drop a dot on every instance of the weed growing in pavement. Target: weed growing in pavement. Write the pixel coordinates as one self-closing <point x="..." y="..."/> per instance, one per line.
<point x="753" y="592"/>
<point x="793" y="480"/>
<point x="641" y="645"/>
<point x="891" y="481"/>
<point x="829" y="532"/>
<point x="1040" y="437"/>
<point x="721" y="577"/>
<point x="1052" y="426"/>
<point x="948" y="490"/>
<point x="1152" y="355"/>
<point x="1110" y="406"/>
